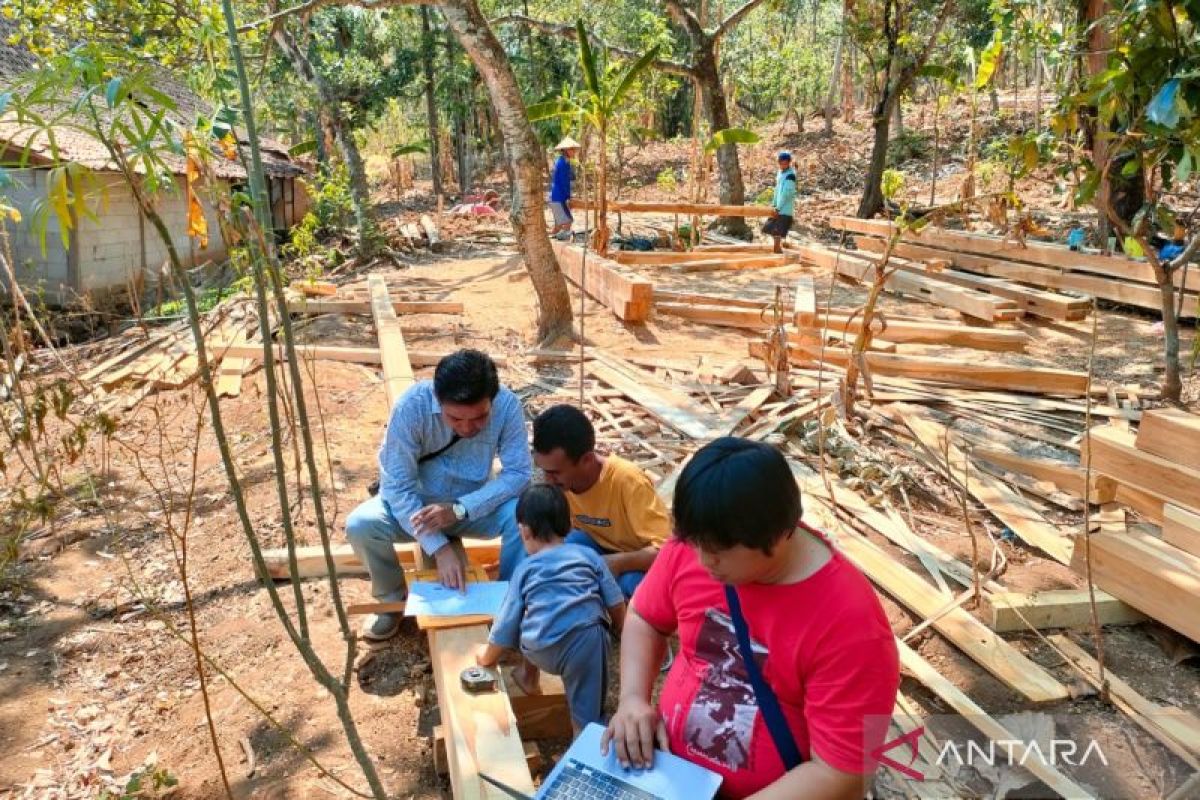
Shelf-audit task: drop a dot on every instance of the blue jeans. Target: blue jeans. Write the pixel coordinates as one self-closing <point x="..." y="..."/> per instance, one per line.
<point x="628" y="581"/>
<point x="371" y="530"/>
<point x="581" y="658"/>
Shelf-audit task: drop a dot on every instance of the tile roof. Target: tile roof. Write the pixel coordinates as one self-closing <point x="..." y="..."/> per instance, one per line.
<point x="76" y="145"/>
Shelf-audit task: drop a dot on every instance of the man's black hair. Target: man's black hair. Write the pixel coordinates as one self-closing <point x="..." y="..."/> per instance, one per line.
<point x="543" y="509"/>
<point x="736" y="492"/>
<point x="566" y="427"/>
<point x="466" y="377"/>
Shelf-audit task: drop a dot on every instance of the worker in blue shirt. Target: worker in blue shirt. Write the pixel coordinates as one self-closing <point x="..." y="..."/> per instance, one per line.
<point x="784" y="201"/>
<point x="436" y="482"/>
<point x="560" y="188"/>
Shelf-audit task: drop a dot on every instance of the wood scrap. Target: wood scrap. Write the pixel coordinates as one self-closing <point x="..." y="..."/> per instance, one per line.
<point x="664" y="402"/>
<point x="1016" y="612"/>
<point x="432" y="235"/>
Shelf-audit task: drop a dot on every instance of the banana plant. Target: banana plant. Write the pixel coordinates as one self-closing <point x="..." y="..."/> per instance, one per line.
<point x="605" y="90"/>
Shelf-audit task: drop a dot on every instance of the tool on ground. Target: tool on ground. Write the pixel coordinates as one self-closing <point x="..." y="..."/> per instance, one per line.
<point x="477" y="680"/>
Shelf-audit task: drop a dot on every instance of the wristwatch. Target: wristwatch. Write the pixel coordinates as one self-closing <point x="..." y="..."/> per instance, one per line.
<point x="460" y="511"/>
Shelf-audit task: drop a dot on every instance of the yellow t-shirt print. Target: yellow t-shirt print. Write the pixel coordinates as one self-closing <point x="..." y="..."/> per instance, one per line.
<point x="622" y="512"/>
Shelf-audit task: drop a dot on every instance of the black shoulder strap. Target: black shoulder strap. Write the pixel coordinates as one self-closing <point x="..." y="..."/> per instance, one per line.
<point x="430" y="456"/>
<point x="768" y="703"/>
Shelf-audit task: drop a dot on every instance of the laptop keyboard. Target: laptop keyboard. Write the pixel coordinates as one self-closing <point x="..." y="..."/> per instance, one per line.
<point x="578" y="781"/>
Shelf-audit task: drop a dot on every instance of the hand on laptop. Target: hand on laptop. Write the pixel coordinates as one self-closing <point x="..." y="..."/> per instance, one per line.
<point x="633" y="732"/>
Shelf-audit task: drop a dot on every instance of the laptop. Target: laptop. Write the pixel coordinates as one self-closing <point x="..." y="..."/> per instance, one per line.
<point x="582" y="773"/>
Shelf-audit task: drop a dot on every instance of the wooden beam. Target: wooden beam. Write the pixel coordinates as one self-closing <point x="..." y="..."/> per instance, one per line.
<point x="1118" y="290"/>
<point x="703" y="209"/>
<point x="354" y="355"/>
<point x="1016" y="612"/>
<point x="1067" y="476"/>
<point x="232" y="367"/>
<point x="544" y="715"/>
<point x="314" y="288"/>
<point x="1173" y="434"/>
<point x="301" y="306"/>
<point x="805" y="308"/>
<point x="1115" y="454"/>
<point x="659" y="257"/>
<point x="955" y="371"/>
<point x="970" y="635"/>
<point x="1159" y="580"/>
<point x="1038" y="302"/>
<point x="664" y="402"/>
<point x="1033" y="760"/>
<point x="1181" y="528"/>
<point x="735" y="317"/>
<point x="311" y="559"/>
<point x="745" y="262"/>
<point x="397" y="370"/>
<point x="629" y="297"/>
<point x="694" y="298"/>
<point x="920" y="287"/>
<point x="481" y="729"/>
<point x="924" y="332"/>
<point x="1003" y="502"/>
<point x="1032" y="252"/>
<point x="1174" y="727"/>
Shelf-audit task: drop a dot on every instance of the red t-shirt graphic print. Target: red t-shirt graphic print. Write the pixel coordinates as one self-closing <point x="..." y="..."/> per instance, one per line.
<point x="824" y="646"/>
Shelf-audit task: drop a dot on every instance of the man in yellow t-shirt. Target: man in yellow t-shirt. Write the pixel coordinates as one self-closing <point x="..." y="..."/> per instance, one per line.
<point x="614" y="508"/>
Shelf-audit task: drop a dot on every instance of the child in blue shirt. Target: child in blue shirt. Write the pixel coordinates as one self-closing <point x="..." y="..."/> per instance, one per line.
<point x="558" y="609"/>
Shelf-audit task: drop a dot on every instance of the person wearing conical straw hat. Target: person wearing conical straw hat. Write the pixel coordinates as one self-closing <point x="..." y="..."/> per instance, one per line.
<point x="560" y="188"/>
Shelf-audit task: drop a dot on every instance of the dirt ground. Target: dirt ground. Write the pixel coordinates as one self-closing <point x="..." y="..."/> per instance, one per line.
<point x="93" y="683"/>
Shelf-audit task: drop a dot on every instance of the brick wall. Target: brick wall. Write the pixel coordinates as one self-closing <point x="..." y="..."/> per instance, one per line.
<point x="37" y="273"/>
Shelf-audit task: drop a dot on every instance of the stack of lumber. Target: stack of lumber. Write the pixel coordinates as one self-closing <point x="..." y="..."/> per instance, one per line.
<point x="927" y="287"/>
<point x="1038" y="264"/>
<point x="1158" y="576"/>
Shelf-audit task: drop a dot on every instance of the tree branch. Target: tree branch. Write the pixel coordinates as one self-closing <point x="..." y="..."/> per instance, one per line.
<point x="734" y="19"/>
<point x="909" y="73"/>
<point x="315" y="5"/>
<point x="687" y="18"/>
<point x="568" y="32"/>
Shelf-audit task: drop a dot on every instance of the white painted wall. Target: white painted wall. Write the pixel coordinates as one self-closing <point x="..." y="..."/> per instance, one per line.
<point x="37" y="272"/>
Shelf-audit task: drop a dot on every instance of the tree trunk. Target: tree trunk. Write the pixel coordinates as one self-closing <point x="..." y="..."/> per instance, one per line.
<point x="600" y="237"/>
<point x="524" y="162"/>
<point x="1172" y="387"/>
<point x="831" y="95"/>
<point x="872" y="199"/>
<point x="712" y="93"/>
<point x="427" y="51"/>
<point x="369" y="236"/>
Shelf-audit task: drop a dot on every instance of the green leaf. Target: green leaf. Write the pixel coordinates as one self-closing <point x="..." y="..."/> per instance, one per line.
<point x="731" y="136"/>
<point x="411" y="148"/>
<point x="631" y="75"/>
<point x="587" y="60"/>
<point x="939" y="72"/>
<point x="1087" y="188"/>
<point x="302" y="148"/>
<point x="1183" y="170"/>
<point x="989" y="61"/>
<point x="1132" y="248"/>
<point x="113" y="92"/>
<point x="559" y="107"/>
<point x="1131" y="168"/>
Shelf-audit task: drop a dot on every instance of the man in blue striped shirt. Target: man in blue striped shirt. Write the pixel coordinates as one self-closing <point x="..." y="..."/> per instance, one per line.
<point x="435" y="480"/>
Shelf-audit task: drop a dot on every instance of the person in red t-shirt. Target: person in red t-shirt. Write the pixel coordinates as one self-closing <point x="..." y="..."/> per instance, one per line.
<point x="817" y="630"/>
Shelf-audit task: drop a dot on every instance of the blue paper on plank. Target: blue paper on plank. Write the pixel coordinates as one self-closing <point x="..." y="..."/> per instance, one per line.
<point x="430" y="599"/>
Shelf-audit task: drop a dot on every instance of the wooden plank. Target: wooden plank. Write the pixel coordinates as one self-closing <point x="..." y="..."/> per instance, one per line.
<point x="660" y="257"/>
<point x="924" y="332"/>
<point x="665" y="403"/>
<point x="997" y="656"/>
<point x="314" y="288"/>
<point x="927" y="289"/>
<point x="311" y="559"/>
<point x="232" y="367"/>
<point x="1038" y="302"/>
<point x="1173" y="434"/>
<point x="1015" y="612"/>
<point x="1120" y="291"/>
<point x="955" y="371"/>
<point x="481" y="729"/>
<point x="1181" y="528"/>
<point x="1003" y="502"/>
<point x="544" y="715"/>
<point x="694" y="298"/>
<point x="354" y="355"/>
<point x="1114" y="454"/>
<point x="1032" y="252"/>
<point x="744" y="262"/>
<point x="337" y="306"/>
<point x="805" y="310"/>
<point x="1146" y="504"/>
<point x="630" y="298"/>
<point x="745" y="407"/>
<point x="1067" y="476"/>
<point x="1178" y="730"/>
<point x="703" y="209"/>
<point x="397" y="370"/>
<point x="1157" y="579"/>
<point x="1033" y="760"/>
